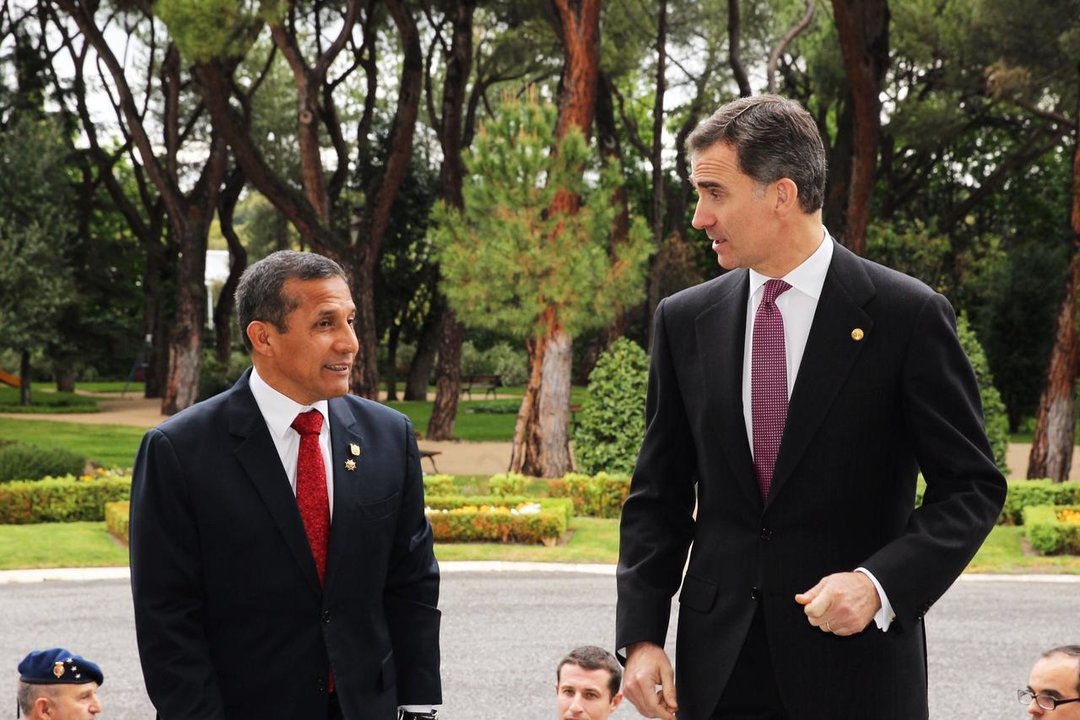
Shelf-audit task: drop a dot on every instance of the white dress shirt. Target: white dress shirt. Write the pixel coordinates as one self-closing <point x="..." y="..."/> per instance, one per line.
<point x="797" y="306"/>
<point x="279" y="411"/>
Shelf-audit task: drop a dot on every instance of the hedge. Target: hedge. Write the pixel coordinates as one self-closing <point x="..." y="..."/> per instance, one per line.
<point x="1026" y="493"/>
<point x="498" y="519"/>
<point x="116" y="519"/>
<point x="19" y="461"/>
<point x="599" y="495"/>
<point x="65" y="499"/>
<point x="1048" y="534"/>
<point x="439" y="485"/>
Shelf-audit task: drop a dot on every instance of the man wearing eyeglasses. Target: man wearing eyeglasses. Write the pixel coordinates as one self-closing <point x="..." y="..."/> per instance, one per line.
<point x="1054" y="685"/>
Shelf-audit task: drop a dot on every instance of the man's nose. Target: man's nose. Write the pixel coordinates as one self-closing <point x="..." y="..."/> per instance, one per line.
<point x="702" y="219"/>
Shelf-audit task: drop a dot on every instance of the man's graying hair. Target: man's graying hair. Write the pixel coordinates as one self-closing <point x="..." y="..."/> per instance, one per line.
<point x="773" y="138"/>
<point x="1072" y="651"/>
<point x="260" y="294"/>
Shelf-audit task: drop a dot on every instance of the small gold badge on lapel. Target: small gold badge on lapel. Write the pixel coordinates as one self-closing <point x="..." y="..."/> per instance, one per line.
<point x="354" y="449"/>
<point x="857" y="334"/>
<point x="350" y="464"/>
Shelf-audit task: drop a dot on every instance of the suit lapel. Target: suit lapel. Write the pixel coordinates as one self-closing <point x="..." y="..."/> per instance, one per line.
<point x="721" y="331"/>
<point x="830" y="354"/>
<point x="349" y="460"/>
<point x="259" y="457"/>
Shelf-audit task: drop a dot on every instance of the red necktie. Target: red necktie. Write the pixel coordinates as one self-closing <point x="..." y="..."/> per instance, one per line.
<point x="768" y="384"/>
<point x="311" y="487"/>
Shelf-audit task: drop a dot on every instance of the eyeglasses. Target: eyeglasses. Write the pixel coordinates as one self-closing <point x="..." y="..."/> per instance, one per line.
<point x="1046" y="702"/>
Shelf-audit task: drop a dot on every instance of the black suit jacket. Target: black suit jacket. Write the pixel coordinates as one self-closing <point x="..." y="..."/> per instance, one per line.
<point x="230" y="617"/>
<point x="864" y="417"/>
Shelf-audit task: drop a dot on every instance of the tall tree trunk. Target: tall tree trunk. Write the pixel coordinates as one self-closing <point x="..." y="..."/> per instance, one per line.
<point x="863" y="30"/>
<point x="841" y="158"/>
<point x="734" y="57"/>
<point x="223" y="310"/>
<point x="1055" y="424"/>
<point x="185" y="337"/>
<point x="416" y="384"/>
<point x="546" y="440"/>
<point x="24" y="378"/>
<point x="453" y="136"/>
<point x="447" y="378"/>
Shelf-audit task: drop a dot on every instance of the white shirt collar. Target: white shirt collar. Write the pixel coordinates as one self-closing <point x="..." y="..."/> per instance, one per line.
<point x="809" y="277"/>
<point x="279" y="410"/>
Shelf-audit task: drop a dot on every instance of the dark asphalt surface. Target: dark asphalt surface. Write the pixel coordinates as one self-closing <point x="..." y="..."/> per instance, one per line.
<point x="504" y="632"/>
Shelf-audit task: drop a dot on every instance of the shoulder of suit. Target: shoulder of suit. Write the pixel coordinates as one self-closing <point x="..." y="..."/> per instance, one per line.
<point x="703" y="294"/>
<point x="362" y="407"/>
<point x="198" y="416"/>
<point x="893" y="283"/>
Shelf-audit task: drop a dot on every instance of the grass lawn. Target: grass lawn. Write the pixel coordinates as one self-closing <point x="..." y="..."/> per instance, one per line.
<point x="112" y="446"/>
<point x="134" y="389"/>
<point x="45" y="400"/>
<point x="49" y="545"/>
<point x="590" y="540"/>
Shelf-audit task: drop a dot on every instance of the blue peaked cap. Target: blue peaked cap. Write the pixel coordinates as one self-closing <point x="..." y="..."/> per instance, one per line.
<point x="58" y="666"/>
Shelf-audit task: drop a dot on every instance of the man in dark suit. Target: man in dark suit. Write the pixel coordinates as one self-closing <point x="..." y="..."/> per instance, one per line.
<point x="281" y="563"/>
<point x="791" y="404"/>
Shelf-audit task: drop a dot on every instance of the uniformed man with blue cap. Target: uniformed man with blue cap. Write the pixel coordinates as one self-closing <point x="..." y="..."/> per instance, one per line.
<point x="57" y="684"/>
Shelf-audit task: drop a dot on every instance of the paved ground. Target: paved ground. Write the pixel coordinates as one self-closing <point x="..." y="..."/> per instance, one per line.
<point x="504" y="631"/>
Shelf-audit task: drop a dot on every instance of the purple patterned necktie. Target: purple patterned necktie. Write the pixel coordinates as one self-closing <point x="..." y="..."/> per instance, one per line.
<point x="768" y="384"/>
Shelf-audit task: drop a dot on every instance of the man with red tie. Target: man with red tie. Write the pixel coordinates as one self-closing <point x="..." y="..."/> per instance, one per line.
<point x="281" y="562"/>
<point x="792" y="402"/>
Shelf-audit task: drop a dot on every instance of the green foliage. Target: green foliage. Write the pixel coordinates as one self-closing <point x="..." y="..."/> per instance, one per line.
<point x="214" y="377"/>
<point x="209" y="29"/>
<point x="29" y="462"/>
<point x="509" y="363"/>
<point x="1028" y="493"/>
<point x="62" y="499"/>
<point x="105" y="445"/>
<point x="492" y="407"/>
<point x="498" y="519"/>
<point x="611" y="424"/>
<point x="46" y="402"/>
<point x="512" y="261"/>
<point x="438" y="485"/>
<point x="507" y="484"/>
<point x="600" y="496"/>
<point x="1048" y="534"/>
<point x="995" y="418"/>
<point x="117" y="515"/>
<point x="913" y="250"/>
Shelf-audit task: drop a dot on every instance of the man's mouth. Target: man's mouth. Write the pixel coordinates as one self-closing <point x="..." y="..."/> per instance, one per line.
<point x="339" y="367"/>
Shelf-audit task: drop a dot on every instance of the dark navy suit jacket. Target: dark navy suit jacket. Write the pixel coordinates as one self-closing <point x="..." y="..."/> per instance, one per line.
<point x="868" y="411"/>
<point x="230" y="617"/>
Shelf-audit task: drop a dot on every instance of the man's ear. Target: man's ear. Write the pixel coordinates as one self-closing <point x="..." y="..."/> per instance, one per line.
<point x="259" y="333"/>
<point x="615" y="701"/>
<point x="787" y="195"/>
<point x="43" y="707"/>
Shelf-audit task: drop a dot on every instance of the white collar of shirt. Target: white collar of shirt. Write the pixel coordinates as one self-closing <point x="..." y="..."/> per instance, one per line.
<point x="278" y="412"/>
<point x="808" y="278"/>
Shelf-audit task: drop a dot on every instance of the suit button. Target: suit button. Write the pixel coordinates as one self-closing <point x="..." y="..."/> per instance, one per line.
<point x="321" y="685"/>
<point x="326" y="616"/>
<point x="766" y="533"/>
<point x="755" y="594"/>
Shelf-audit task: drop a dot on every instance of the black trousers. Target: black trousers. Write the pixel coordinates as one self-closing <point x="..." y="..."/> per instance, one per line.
<point x="333" y="708"/>
<point x="751" y="692"/>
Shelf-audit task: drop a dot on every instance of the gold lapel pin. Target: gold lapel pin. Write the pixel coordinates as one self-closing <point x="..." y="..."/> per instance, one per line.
<point x="857" y="334"/>
<point x="354" y="449"/>
<point x="350" y="464"/>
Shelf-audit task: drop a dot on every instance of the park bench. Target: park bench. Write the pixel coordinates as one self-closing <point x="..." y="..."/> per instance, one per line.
<point x="430" y="455"/>
<point x="489" y="383"/>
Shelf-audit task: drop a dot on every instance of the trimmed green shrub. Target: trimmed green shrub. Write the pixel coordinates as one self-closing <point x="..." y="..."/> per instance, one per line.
<point x="64" y="499"/>
<point x="1026" y="493"/>
<point x="20" y="461"/>
<point x="600" y="496"/>
<point x="116" y="519"/>
<point x="611" y="424"/>
<point x="995" y="417"/>
<point x="498" y="519"/>
<point x="1048" y="534"/>
<point x="438" y="485"/>
<point x="505" y="484"/>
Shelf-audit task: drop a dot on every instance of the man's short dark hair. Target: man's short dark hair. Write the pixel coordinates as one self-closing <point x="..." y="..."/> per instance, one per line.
<point x="590" y="657"/>
<point x="260" y="294"/>
<point x="773" y="138"/>
<point x="1072" y="651"/>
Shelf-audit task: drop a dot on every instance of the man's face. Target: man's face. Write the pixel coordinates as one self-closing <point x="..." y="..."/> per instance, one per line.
<point x="1057" y="676"/>
<point x="735" y="211"/>
<point x="314" y="359"/>
<point x="68" y="702"/>
<point x="584" y="694"/>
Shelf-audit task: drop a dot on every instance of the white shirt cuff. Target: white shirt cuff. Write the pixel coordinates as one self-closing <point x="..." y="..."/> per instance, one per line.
<point x="884" y="617"/>
<point x="417" y="708"/>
